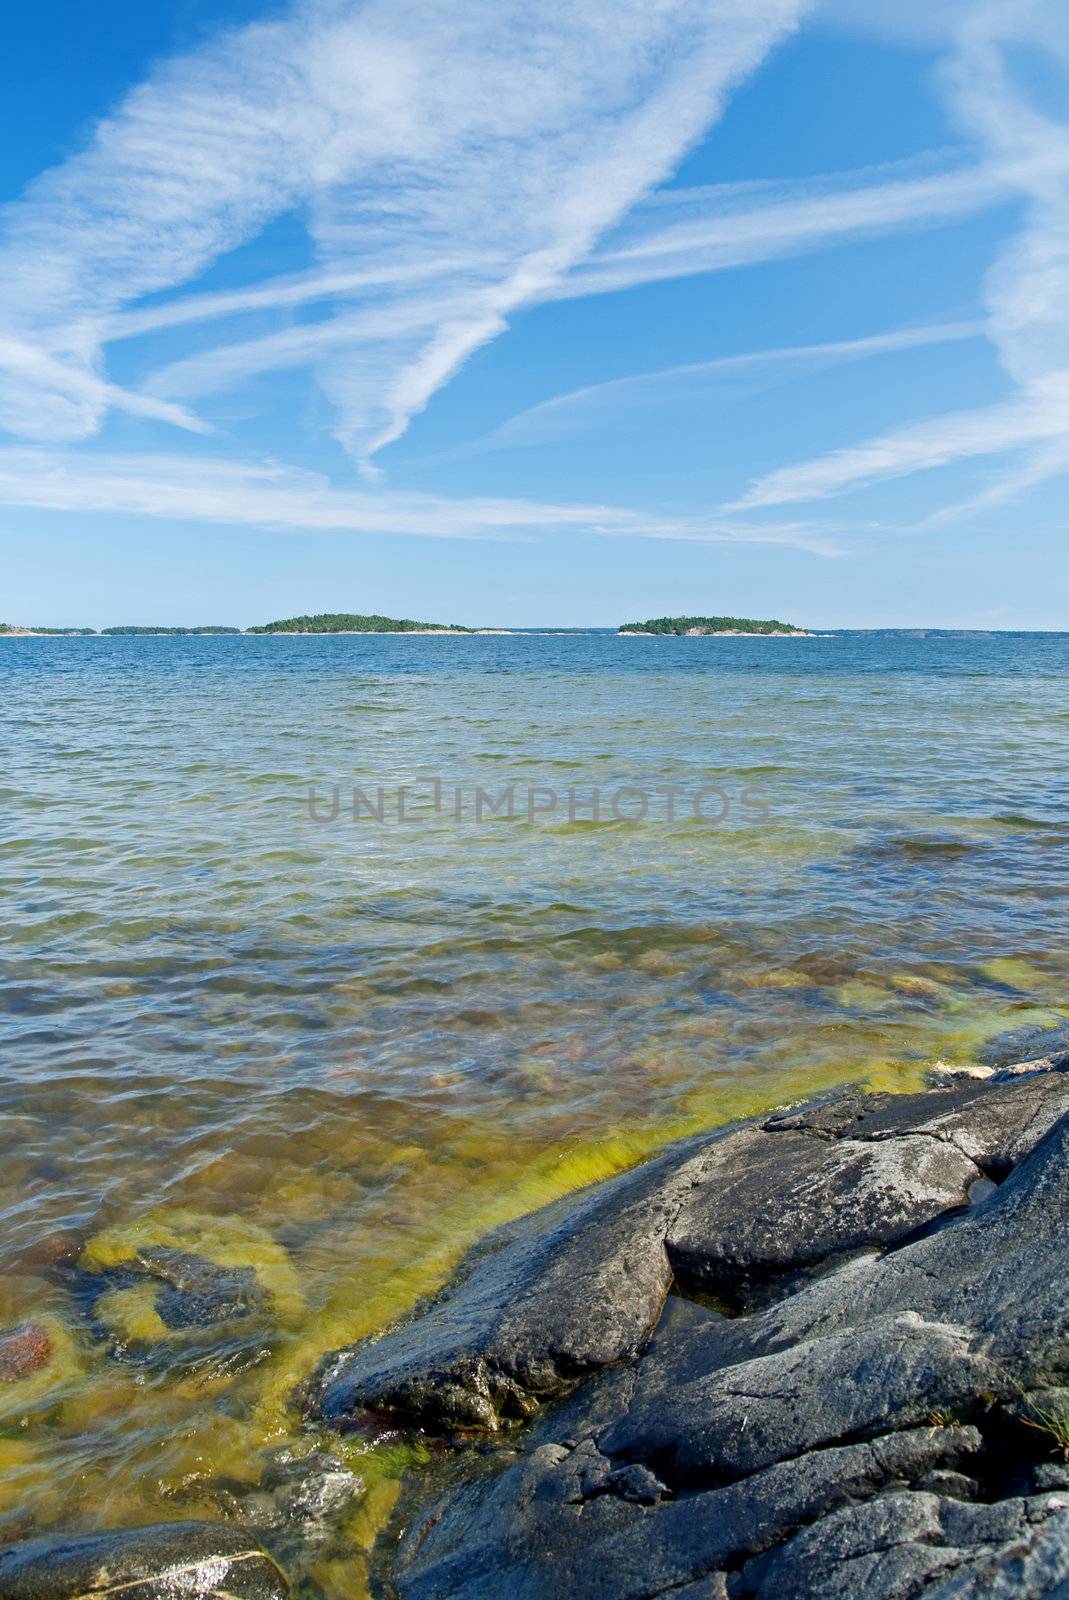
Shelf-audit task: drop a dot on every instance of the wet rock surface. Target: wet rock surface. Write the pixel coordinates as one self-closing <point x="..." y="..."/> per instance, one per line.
<point x="580" y="1285"/>
<point x="295" y="1506"/>
<point x="192" y="1560"/>
<point x="884" y="1412"/>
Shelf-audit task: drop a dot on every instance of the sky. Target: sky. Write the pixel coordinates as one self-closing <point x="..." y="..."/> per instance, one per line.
<point x="523" y="312"/>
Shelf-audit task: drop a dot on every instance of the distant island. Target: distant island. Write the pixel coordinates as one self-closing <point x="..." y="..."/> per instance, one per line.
<point x="127" y="631"/>
<point x="33" y="633"/>
<point x="351" y="622"/>
<point x="339" y="622"/>
<point x="130" y="631"/>
<point x="699" y="627"/>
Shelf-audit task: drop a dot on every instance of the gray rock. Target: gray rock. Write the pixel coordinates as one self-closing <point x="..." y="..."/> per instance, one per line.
<point x="864" y="1432"/>
<point x="1034" y="1566"/>
<point x="195" y="1292"/>
<point x="580" y="1286"/>
<point x="533" y="1534"/>
<point x="952" y="1485"/>
<point x="891" y="1373"/>
<point x="171" y="1561"/>
<point x="549" y="1299"/>
<point x="994" y="1272"/>
<point x="894" y="1546"/>
<point x="307" y="1492"/>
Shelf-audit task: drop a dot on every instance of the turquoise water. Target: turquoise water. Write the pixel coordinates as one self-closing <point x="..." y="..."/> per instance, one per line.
<point x="340" y="1050"/>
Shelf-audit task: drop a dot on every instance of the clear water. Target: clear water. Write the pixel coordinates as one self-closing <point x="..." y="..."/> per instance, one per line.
<point x="373" y="1040"/>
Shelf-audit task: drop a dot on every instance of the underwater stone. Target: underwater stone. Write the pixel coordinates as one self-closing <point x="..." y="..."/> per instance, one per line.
<point x="196" y="1291"/>
<point x="170" y="1272"/>
<point x="24" y="1348"/>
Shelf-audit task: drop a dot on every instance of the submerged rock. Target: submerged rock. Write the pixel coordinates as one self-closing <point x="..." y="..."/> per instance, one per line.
<point x="174" y="1272"/>
<point x="300" y="1504"/>
<point x="197" y="1291"/>
<point x="882" y="1415"/>
<point x="24" y="1349"/>
<point x="171" y="1561"/>
<point x="39" y="1359"/>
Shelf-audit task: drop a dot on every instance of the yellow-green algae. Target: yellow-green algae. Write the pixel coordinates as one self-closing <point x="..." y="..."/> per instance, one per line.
<point x="387" y="1218"/>
<point x="225" y="1241"/>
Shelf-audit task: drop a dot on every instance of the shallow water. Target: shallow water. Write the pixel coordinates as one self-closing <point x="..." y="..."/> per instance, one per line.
<point x="374" y="1039"/>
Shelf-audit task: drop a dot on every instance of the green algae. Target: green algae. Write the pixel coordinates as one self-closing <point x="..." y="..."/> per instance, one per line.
<point x="131" y="1314"/>
<point x="225" y="1241"/>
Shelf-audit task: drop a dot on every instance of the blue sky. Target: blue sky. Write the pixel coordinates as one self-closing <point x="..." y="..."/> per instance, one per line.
<point x="536" y="312"/>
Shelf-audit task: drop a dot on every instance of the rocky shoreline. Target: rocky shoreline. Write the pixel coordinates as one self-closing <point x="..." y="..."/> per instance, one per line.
<point x="825" y="1352"/>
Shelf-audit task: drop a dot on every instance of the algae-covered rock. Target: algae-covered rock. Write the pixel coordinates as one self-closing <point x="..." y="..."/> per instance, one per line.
<point x="191" y="1560"/>
<point x="175" y="1271"/>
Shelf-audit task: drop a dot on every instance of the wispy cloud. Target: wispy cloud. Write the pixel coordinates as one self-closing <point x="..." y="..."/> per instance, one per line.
<point x="1039" y="414"/>
<point x="274" y="496"/>
<point x="456" y="164"/>
<point x="1027" y="291"/>
<point x="713" y="228"/>
<point x="68" y="385"/>
<point x="1040" y="465"/>
<point x="728" y="376"/>
<point x="675" y="233"/>
<point x="510" y="133"/>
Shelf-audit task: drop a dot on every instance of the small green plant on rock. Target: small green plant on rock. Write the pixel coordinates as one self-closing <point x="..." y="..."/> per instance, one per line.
<point x="1053" y="1421"/>
<point x="944" y="1418"/>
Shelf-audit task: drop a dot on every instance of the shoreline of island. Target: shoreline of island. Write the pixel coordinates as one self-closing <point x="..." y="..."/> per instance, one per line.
<point x="353" y="624"/>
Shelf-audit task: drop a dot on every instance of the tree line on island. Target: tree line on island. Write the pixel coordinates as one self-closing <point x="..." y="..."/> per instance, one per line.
<point x="354" y="622"/>
<point x="697" y="627"/>
<point x="351" y="622"/>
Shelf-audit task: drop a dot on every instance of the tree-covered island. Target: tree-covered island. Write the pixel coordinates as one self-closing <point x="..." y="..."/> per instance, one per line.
<point x="699" y="627"/>
<point x="351" y="622"/>
<point x="147" y="631"/>
<point x="14" y="631"/>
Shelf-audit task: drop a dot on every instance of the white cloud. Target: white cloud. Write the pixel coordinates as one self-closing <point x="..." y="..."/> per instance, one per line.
<point x="270" y="495"/>
<point x="413" y="132"/>
<point x="710" y="229"/>
<point x="274" y="294"/>
<point x="1040" y="465"/>
<point x="730" y="376"/>
<point x="456" y="163"/>
<point x="68" y="387"/>
<point x="675" y="233"/>
<point x="1027" y="291"/>
<point x="1029" y="418"/>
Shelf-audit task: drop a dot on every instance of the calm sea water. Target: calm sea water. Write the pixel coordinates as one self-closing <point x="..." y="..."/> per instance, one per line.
<point x="341" y="1050"/>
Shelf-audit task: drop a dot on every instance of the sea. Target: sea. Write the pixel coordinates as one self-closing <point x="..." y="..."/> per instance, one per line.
<point x="322" y="956"/>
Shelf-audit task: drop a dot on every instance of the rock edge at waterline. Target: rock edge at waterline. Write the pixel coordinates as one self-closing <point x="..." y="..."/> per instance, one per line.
<point x="821" y="1353"/>
<point x="877" y="1408"/>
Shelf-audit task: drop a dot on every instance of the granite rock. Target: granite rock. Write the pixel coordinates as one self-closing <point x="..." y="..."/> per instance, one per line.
<point x="169" y="1561"/>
